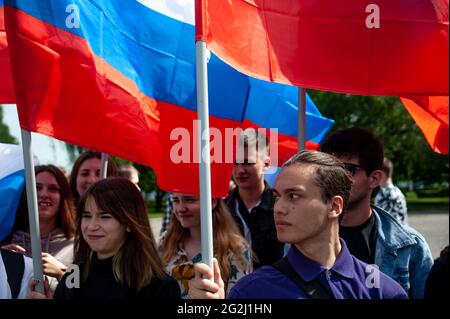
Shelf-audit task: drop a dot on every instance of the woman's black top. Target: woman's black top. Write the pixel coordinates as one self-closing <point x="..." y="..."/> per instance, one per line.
<point x="101" y="284"/>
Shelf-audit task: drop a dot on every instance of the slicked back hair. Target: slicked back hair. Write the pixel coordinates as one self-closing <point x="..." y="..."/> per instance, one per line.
<point x="330" y="174"/>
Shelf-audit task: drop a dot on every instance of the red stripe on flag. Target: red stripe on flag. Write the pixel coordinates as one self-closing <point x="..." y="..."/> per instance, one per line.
<point x="334" y="46"/>
<point x="186" y="175"/>
<point x="201" y="20"/>
<point x="6" y="83"/>
<point x="66" y="92"/>
<point x="431" y="115"/>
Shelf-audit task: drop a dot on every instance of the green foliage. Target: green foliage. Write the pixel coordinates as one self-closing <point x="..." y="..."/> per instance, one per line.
<point x="404" y="143"/>
<point x="147" y="178"/>
<point x="5" y="136"/>
<point x="427" y="204"/>
<point x="73" y="151"/>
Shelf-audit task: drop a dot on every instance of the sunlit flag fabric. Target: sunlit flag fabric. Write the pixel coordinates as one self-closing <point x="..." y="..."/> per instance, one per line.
<point x="334" y="45"/>
<point x="12" y="182"/>
<point x="431" y="115"/>
<point x="6" y="85"/>
<point x="119" y="77"/>
<point x="388" y="47"/>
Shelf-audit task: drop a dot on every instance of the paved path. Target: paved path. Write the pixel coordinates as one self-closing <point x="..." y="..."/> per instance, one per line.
<point x="433" y="226"/>
<point x="156" y="223"/>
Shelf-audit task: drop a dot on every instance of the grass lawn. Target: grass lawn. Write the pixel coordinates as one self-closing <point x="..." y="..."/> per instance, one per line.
<point x="420" y="204"/>
<point x="155" y="215"/>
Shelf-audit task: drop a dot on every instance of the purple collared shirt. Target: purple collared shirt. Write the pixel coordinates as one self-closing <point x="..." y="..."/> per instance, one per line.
<point x="349" y="278"/>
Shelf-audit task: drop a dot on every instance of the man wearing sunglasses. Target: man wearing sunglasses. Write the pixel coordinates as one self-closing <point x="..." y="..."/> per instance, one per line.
<point x="372" y="234"/>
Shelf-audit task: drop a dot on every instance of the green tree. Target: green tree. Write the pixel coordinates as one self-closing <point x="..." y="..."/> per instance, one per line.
<point x="404" y="143"/>
<point x="147" y="182"/>
<point x="73" y="151"/>
<point x="5" y="136"/>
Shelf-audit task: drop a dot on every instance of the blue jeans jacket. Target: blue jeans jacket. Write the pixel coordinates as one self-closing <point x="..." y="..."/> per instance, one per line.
<point x="402" y="253"/>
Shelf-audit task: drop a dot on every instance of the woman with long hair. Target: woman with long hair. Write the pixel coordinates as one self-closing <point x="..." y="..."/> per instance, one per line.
<point x="86" y="171"/>
<point x="180" y="246"/>
<point x="115" y="251"/>
<point x="56" y="223"/>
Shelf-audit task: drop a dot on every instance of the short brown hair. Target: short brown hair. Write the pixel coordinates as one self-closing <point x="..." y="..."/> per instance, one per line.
<point x="253" y="138"/>
<point x="356" y="142"/>
<point x="330" y="174"/>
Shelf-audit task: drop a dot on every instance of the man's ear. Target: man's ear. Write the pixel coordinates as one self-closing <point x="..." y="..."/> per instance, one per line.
<point x="337" y="204"/>
<point x="375" y="178"/>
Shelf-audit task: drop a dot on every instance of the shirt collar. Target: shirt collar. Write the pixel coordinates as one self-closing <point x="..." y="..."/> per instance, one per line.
<point x="309" y="269"/>
<point x="267" y="200"/>
<point x="344" y="262"/>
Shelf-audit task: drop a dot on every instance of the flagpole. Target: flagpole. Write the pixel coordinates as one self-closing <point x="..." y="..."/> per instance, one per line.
<point x="301" y="137"/>
<point x="104" y="165"/>
<point x="204" y="153"/>
<point x="33" y="214"/>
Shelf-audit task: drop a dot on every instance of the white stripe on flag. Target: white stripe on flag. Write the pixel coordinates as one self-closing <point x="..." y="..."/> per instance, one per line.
<point x="181" y="10"/>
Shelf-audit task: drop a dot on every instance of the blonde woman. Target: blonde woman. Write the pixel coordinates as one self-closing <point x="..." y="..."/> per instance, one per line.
<point x="180" y="246"/>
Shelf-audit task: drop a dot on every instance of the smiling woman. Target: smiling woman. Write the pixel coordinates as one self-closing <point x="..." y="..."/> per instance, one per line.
<point x="56" y="223"/>
<point x="114" y="248"/>
<point x="86" y="171"/>
<point x="180" y="246"/>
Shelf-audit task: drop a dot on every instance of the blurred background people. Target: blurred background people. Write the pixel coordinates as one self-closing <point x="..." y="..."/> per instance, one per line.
<point x="390" y="197"/>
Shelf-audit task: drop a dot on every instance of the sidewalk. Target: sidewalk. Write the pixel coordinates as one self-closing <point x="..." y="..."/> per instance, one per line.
<point x="155" y="224"/>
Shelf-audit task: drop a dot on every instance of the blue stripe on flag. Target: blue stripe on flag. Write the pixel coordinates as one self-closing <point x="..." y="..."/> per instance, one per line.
<point x="10" y="191"/>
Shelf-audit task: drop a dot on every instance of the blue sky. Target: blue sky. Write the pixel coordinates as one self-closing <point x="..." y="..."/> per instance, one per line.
<point x="48" y="150"/>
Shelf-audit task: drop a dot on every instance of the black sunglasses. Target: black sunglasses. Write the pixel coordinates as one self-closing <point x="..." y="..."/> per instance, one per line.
<point x="352" y="168"/>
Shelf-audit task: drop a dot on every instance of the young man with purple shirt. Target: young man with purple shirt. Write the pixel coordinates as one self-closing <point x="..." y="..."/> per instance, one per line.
<point x="311" y="193"/>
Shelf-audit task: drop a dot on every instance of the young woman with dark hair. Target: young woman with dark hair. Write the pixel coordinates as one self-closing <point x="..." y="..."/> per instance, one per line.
<point x="56" y="223"/>
<point x="114" y="248"/>
<point x="86" y="171"/>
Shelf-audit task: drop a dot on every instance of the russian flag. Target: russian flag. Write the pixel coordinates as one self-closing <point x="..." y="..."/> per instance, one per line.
<point x="388" y="47"/>
<point x="12" y="182"/>
<point x="119" y="77"/>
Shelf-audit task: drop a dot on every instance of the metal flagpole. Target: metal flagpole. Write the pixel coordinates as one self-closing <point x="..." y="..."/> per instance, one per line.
<point x="204" y="153"/>
<point x="33" y="214"/>
<point x="104" y="165"/>
<point x="301" y="138"/>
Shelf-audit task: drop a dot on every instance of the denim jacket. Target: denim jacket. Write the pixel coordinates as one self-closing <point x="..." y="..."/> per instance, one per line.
<point x="402" y="253"/>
